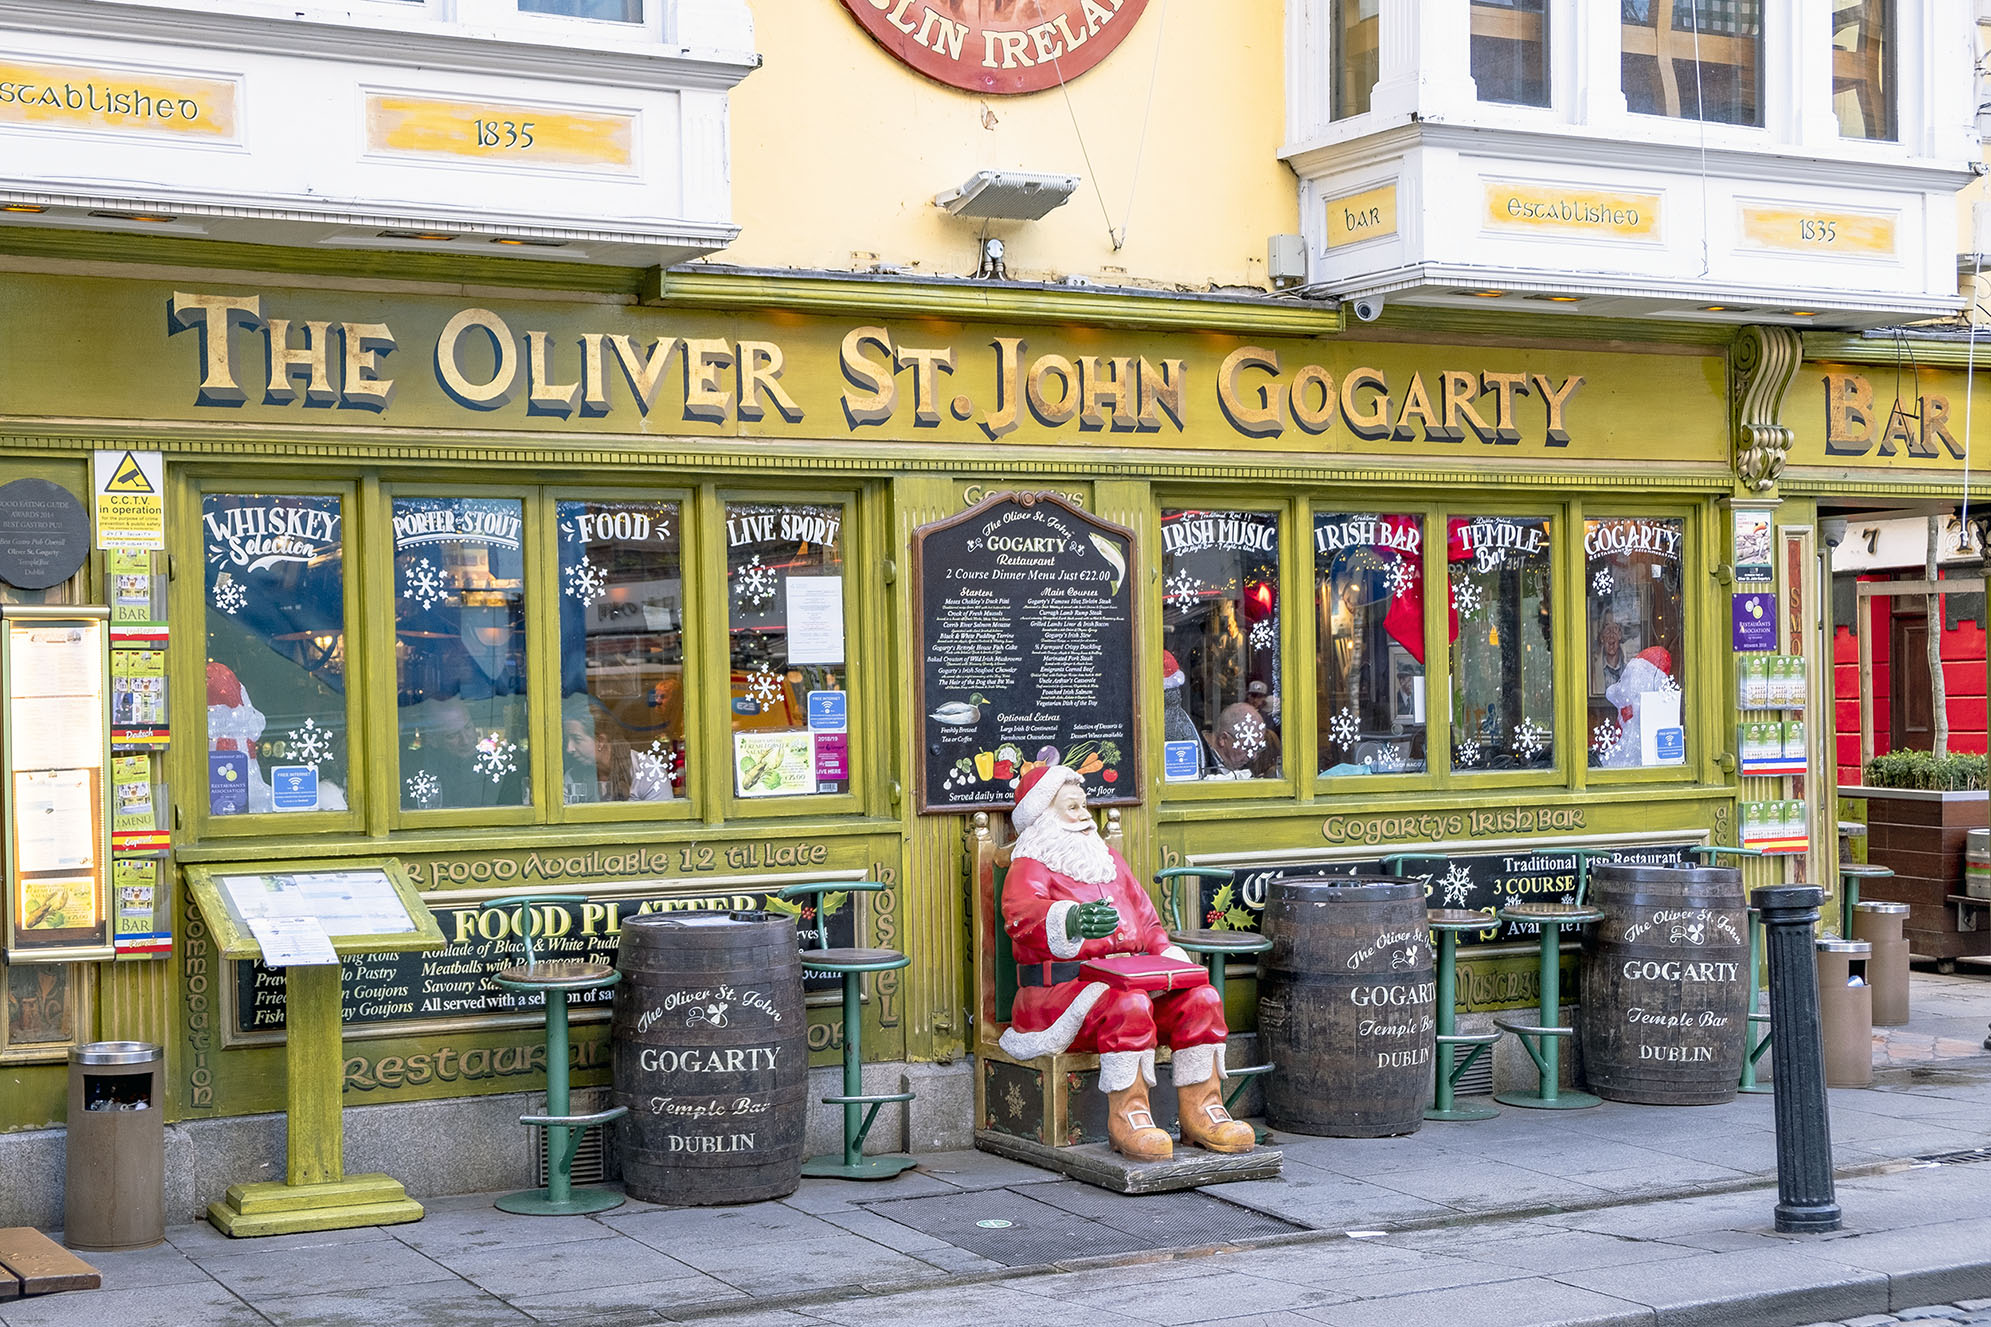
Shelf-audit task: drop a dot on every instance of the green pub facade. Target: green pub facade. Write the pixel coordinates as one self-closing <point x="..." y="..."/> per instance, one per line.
<point x="613" y="591"/>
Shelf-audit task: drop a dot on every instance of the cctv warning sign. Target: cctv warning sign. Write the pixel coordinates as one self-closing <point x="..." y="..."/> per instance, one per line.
<point x="131" y="501"/>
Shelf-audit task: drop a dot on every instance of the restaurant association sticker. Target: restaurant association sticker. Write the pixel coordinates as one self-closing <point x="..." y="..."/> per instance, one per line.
<point x="999" y="47"/>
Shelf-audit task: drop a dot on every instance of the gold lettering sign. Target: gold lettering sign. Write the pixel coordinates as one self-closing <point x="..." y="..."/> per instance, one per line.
<point x="499" y="132"/>
<point x="1596" y="213"/>
<point x="1368" y="215"/>
<point x="1816" y="230"/>
<point x="123" y="101"/>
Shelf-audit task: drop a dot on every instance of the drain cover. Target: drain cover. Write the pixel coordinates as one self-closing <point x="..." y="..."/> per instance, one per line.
<point x="1956" y="1158"/>
<point x="1059" y="1221"/>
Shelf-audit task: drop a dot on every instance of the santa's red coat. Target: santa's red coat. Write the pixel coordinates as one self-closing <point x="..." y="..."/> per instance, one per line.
<point x="1113" y="1020"/>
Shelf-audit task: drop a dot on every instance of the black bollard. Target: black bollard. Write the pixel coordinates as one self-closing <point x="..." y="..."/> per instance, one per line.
<point x="1805" y="1200"/>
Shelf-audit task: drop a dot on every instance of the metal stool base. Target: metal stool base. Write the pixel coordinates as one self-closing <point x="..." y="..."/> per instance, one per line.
<point x="1461" y="1113"/>
<point x="864" y="1168"/>
<point x="1562" y="1101"/>
<point x="537" y="1202"/>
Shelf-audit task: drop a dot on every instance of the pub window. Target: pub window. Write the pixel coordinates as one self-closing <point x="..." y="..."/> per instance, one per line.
<point x="277" y="739"/>
<point x="1510" y="51"/>
<point x="1863" y="68"/>
<point x="1693" y="61"/>
<point x="460" y="653"/>
<point x="1635" y="663"/>
<point x="1502" y="613"/>
<point x="785" y="614"/>
<point x="621" y="652"/>
<point x="1220" y="628"/>
<point x="611" y="11"/>
<point x="1369" y="669"/>
<point x="1357" y="55"/>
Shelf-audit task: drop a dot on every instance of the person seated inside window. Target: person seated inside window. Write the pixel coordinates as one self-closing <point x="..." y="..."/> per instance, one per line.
<point x="1242" y="745"/>
<point x="597" y="769"/>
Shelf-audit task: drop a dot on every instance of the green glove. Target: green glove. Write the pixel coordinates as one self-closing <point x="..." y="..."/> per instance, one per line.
<point x="1092" y="921"/>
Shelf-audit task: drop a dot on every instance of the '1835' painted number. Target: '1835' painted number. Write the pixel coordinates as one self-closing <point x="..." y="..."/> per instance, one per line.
<point x="504" y="133"/>
<point x="1817" y="231"/>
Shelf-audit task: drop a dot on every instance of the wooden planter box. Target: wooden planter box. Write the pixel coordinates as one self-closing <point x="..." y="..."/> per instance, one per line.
<point x="1921" y="836"/>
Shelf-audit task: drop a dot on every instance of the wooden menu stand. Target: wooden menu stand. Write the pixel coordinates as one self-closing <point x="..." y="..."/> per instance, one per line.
<point x="315" y="1193"/>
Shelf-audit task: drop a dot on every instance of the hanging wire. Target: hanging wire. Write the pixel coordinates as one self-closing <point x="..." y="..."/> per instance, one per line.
<point x="1118" y="238"/>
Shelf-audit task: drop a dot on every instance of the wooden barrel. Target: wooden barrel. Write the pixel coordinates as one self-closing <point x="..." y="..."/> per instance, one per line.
<point x="1977" y="863"/>
<point x="1347" y="1006"/>
<point x="1665" y="980"/>
<point x="711" y="1053"/>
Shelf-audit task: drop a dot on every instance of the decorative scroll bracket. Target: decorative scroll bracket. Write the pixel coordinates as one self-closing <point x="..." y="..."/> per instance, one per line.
<point x="1763" y="363"/>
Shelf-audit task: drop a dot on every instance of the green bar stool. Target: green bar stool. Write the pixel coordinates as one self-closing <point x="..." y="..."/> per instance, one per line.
<point x="1754" y="1046"/>
<point x="1448" y="923"/>
<point x="1214" y="948"/>
<point x="1851" y="873"/>
<point x="1543" y="1041"/>
<point x="562" y="977"/>
<point x="851" y="965"/>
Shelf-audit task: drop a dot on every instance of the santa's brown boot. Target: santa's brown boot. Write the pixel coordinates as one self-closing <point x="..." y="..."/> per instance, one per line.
<point x="1130" y="1126"/>
<point x="1200" y="1103"/>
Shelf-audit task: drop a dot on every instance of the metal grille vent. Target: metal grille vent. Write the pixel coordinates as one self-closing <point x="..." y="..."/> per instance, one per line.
<point x="1956" y="1158"/>
<point x="591" y="1156"/>
<point x="1478" y="1080"/>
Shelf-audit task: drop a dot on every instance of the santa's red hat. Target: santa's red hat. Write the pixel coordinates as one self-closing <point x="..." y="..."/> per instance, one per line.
<point x="1171" y="671"/>
<point x="1657" y="656"/>
<point x="1035" y="791"/>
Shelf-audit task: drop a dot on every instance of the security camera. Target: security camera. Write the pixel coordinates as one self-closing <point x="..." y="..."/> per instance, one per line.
<point x="1834" y="530"/>
<point x="1368" y="308"/>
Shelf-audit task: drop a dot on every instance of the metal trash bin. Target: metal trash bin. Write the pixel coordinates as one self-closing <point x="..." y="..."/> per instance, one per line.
<point x="1879" y="924"/>
<point x="1845" y="1012"/>
<point x="115" y="1193"/>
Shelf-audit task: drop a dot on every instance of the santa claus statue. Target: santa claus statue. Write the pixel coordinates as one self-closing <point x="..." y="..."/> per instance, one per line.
<point x="1069" y="897"/>
<point x="1646" y="679"/>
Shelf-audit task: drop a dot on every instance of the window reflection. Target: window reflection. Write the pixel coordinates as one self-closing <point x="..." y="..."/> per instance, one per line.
<point x="1357" y="55"/>
<point x="459" y="652"/>
<point x="1863" y="68"/>
<point x="1502" y="609"/>
<point x="790" y="699"/>
<point x="621" y="652"/>
<point x="1636" y="666"/>
<point x="276" y="653"/>
<point x="1220" y="628"/>
<point x="1369" y="597"/>
<point x="1700" y="61"/>
<point x="1510" y="49"/>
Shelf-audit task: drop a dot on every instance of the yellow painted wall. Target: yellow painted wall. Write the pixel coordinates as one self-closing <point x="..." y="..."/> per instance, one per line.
<point x="838" y="150"/>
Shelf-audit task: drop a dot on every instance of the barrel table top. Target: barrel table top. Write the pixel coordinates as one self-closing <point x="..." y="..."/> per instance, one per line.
<point x="559" y="974"/>
<point x="1566" y="913"/>
<point x="854" y="960"/>
<point x="1222" y="942"/>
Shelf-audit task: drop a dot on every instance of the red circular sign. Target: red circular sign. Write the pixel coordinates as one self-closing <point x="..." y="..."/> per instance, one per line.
<point x="998" y="46"/>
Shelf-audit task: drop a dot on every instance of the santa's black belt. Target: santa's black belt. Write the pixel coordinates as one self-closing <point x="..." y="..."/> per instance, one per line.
<point x="1045" y="974"/>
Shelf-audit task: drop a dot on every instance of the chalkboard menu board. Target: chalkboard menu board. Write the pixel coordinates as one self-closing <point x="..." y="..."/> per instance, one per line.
<point x="1481" y="882"/>
<point x="451" y="983"/>
<point x="1026" y="648"/>
<point x="44" y="534"/>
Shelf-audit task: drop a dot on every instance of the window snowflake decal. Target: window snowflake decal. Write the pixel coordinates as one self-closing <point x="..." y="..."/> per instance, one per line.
<point x="1455" y="885"/>
<point x="1183" y="590"/>
<point x="754" y="583"/>
<point x="1465" y="599"/>
<point x="586" y="582"/>
<point x="1265" y="634"/>
<point x="423" y="787"/>
<point x="1530" y="739"/>
<point x="1400" y="579"/>
<point x="1603" y="582"/>
<point x="763" y="686"/>
<point x="1606" y="738"/>
<point x="310" y="744"/>
<point x="1344" y="726"/>
<point x="1386" y="761"/>
<point x="424" y="583"/>
<point x="229" y="594"/>
<point x="1467" y="755"/>
<point x="1669" y="683"/>
<point x="496" y="757"/>
<point x="1249" y="739"/>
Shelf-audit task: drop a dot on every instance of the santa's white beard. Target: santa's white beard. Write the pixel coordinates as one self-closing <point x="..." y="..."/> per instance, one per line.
<point x="1070" y="850"/>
